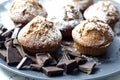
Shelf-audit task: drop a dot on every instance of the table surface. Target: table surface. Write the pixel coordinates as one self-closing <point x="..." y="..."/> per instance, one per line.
<point x="6" y="75"/>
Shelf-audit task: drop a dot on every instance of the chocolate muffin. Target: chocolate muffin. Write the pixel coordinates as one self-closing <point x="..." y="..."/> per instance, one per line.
<point x="40" y="35"/>
<point x="82" y="5"/>
<point x="23" y="11"/>
<point x="67" y="19"/>
<point x="105" y="11"/>
<point x="92" y="37"/>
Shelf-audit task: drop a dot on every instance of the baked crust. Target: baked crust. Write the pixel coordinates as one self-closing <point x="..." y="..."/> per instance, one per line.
<point x="23" y="11"/>
<point x="105" y="11"/>
<point x="40" y="35"/>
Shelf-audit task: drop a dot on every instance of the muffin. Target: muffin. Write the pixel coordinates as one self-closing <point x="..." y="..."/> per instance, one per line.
<point x="92" y="37"/>
<point x="40" y="35"/>
<point x="82" y="5"/>
<point x="23" y="11"/>
<point x="105" y="11"/>
<point x="67" y="18"/>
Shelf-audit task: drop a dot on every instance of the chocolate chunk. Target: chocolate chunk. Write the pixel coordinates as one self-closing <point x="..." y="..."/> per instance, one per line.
<point x="2" y="44"/>
<point x="35" y="67"/>
<point x="7" y="34"/>
<point x="23" y="62"/>
<point x="3" y="54"/>
<point x="69" y="66"/>
<point x="62" y="61"/>
<point x="80" y="60"/>
<point x="15" y="32"/>
<point x="13" y="55"/>
<point x="52" y="71"/>
<point x="4" y="29"/>
<point x="43" y="58"/>
<point x="19" y="47"/>
<point x="53" y="62"/>
<point x="87" y="67"/>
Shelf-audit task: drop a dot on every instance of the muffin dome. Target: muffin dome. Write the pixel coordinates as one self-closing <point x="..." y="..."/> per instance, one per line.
<point x="23" y="11"/>
<point x="40" y="35"/>
<point x="82" y="5"/>
<point x="67" y="19"/>
<point x="92" y="37"/>
<point x="103" y="10"/>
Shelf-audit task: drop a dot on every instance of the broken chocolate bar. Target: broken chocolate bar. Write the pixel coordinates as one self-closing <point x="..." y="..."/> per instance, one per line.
<point x="62" y="61"/>
<point x="80" y="60"/>
<point x="52" y="71"/>
<point x="13" y="55"/>
<point x="35" y="67"/>
<point x="69" y="66"/>
<point x="87" y="67"/>
<point x="7" y="34"/>
<point x="15" y="32"/>
<point x="43" y="58"/>
<point x="3" y="54"/>
<point x="19" y="47"/>
<point x="23" y="62"/>
<point x="53" y="62"/>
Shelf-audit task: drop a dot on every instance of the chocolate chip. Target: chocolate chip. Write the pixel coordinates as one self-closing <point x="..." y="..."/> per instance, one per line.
<point x="43" y="58"/>
<point x="13" y="55"/>
<point x="52" y="71"/>
<point x="35" y="67"/>
<point x="23" y="62"/>
<point x="87" y="67"/>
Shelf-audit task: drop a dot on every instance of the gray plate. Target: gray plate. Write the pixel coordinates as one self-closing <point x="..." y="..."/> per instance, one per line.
<point x="110" y="66"/>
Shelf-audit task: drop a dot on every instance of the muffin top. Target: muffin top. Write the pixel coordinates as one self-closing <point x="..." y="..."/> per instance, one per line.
<point x="104" y="10"/>
<point x="82" y="4"/>
<point x="67" y="18"/>
<point x="93" y="33"/>
<point x="39" y="33"/>
<point x="22" y="11"/>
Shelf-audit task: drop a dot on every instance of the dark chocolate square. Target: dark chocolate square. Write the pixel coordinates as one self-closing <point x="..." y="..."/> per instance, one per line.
<point x="52" y="71"/>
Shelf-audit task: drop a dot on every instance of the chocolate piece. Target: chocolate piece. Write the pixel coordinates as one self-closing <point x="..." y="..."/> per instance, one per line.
<point x="15" y="32"/>
<point x="52" y="71"/>
<point x="2" y="44"/>
<point x="53" y="62"/>
<point x="13" y="55"/>
<point x="80" y="60"/>
<point x="23" y="62"/>
<point x="3" y="54"/>
<point x="21" y="50"/>
<point x="62" y="61"/>
<point x="87" y="67"/>
<point x="4" y="29"/>
<point x="43" y="58"/>
<point x="35" y="67"/>
<point x="7" y="34"/>
<point x="69" y="66"/>
<point x="19" y="47"/>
